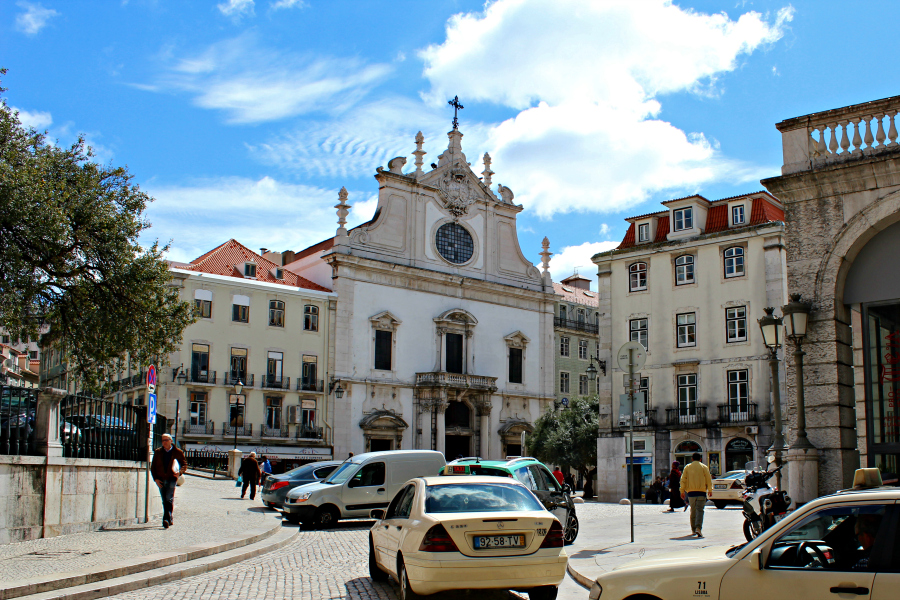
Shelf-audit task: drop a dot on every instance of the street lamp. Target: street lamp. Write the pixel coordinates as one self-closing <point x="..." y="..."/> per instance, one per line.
<point x="592" y="370"/>
<point x="770" y="325"/>
<point x="235" y="411"/>
<point x="796" y="316"/>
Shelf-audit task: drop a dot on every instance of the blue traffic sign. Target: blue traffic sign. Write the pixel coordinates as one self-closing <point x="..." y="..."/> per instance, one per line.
<point x="151" y="408"/>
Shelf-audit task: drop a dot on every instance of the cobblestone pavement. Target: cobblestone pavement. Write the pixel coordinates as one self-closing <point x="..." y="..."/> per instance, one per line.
<point x="205" y="511"/>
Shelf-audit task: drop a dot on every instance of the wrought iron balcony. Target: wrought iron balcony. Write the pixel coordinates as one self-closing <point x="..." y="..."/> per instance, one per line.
<point x="273" y="432"/>
<point x="308" y="432"/>
<point x="456" y="380"/>
<point x="243" y="430"/>
<point x="686" y="418"/>
<point x="271" y="382"/>
<point x="207" y="428"/>
<point x="310" y="385"/>
<point x="197" y="376"/>
<point x="575" y="324"/>
<point x="232" y="377"/>
<point x="736" y="413"/>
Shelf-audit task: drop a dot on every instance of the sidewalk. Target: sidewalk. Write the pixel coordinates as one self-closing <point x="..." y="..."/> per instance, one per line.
<point x="207" y="512"/>
<point x="604" y="541"/>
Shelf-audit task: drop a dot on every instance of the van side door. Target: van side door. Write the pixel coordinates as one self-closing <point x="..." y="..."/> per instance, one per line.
<point x="366" y="490"/>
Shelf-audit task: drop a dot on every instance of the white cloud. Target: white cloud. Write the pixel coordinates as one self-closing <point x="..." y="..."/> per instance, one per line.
<point x="288" y="4"/>
<point x="604" y="229"/>
<point x="34" y="18"/>
<point x="253" y="84"/>
<point x="578" y="258"/>
<point x="587" y="78"/>
<point x="264" y="212"/>
<point x="37" y="119"/>
<point x="236" y="8"/>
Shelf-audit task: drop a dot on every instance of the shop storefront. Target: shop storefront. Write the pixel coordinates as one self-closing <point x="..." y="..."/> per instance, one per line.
<point x="738" y="452"/>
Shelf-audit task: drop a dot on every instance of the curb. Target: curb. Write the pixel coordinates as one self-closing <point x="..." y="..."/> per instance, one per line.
<point x="585" y="582"/>
<point x="166" y="574"/>
<point x="126" y="568"/>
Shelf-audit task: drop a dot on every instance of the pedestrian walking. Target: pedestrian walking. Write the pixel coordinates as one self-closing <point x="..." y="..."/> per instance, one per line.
<point x="696" y="483"/>
<point x="559" y="475"/>
<point x="166" y="473"/>
<point x="249" y="471"/>
<point x="266" y="468"/>
<point x="675" y="500"/>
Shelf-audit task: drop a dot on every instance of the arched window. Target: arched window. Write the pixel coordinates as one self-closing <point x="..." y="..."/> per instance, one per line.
<point x="684" y="269"/>
<point x="311" y="318"/>
<point x="637" y="277"/>
<point x="734" y="262"/>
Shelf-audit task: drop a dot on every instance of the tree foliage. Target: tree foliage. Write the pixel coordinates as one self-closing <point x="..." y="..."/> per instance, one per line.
<point x="568" y="436"/>
<point x="70" y="258"/>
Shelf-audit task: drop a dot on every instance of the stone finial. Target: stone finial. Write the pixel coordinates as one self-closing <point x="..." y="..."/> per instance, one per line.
<point x="419" y="153"/>
<point x="395" y="165"/>
<point x="343" y="209"/>
<point x="545" y="255"/>
<point x="486" y="174"/>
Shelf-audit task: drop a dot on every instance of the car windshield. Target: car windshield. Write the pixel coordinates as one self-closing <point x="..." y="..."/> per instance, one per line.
<point x="479" y="497"/>
<point x="304" y="471"/>
<point x="342" y="473"/>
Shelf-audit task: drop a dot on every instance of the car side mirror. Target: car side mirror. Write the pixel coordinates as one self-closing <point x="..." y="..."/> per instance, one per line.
<point x="376" y="514"/>
<point x="567" y="488"/>
<point x="353" y="483"/>
<point x="756" y="559"/>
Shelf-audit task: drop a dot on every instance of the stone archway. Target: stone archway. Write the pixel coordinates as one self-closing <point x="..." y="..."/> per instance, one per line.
<point x="383" y="430"/>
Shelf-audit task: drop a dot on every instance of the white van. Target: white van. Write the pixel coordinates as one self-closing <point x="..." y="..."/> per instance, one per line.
<point x="360" y="484"/>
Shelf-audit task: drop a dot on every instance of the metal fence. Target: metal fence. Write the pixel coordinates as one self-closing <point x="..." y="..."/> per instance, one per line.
<point x="207" y="459"/>
<point x="95" y="428"/>
<point x="17" y="413"/>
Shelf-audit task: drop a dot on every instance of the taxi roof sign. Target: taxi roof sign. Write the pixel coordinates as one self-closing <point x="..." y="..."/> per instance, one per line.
<point x="457" y="470"/>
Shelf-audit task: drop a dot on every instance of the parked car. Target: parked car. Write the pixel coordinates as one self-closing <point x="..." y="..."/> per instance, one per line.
<point x="362" y="483"/>
<point x="728" y="489"/>
<point x="276" y="487"/>
<point x="106" y="430"/>
<point x="450" y="533"/>
<point x="534" y="475"/>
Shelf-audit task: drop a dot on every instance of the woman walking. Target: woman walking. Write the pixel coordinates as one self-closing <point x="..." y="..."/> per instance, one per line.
<point x="675" y="500"/>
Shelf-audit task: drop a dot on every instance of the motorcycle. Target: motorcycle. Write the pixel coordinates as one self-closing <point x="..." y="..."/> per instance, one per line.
<point x="763" y="505"/>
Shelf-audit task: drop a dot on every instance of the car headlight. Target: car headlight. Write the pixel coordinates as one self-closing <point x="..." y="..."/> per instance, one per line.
<point x="302" y="497"/>
<point x="596" y="590"/>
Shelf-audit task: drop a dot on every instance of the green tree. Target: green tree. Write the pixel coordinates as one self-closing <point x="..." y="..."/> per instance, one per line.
<point x="70" y="258"/>
<point x="568" y="436"/>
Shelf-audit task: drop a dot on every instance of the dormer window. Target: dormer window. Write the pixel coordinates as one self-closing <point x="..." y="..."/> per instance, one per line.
<point x="737" y="214"/>
<point x="684" y="219"/>
<point x="249" y="269"/>
<point x="644" y="232"/>
<point x="278" y="273"/>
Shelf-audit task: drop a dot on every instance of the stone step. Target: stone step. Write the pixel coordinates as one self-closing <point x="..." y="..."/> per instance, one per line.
<point x="131" y="567"/>
<point x="165" y="574"/>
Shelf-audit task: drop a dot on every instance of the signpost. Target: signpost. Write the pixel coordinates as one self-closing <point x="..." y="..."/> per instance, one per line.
<point x="151" y="421"/>
<point x="631" y="357"/>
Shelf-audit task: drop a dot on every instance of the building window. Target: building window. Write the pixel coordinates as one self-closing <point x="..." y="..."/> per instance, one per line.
<point x="564" y="383"/>
<point x="639" y="332"/>
<point x="515" y="365"/>
<point x="736" y="324"/>
<point x="684" y="219"/>
<point x="249" y="270"/>
<point x="644" y="232"/>
<point x="583" y="385"/>
<point x="562" y="312"/>
<point x="238" y="365"/>
<point x="738" y="391"/>
<point x="737" y="214"/>
<point x="383" y="343"/>
<point x="583" y="349"/>
<point x="276" y="313"/>
<point x="203" y="308"/>
<point x="564" y="346"/>
<point x="274" y="369"/>
<point x="310" y="318"/>
<point x="199" y="362"/>
<point x="5" y="339"/>
<point x="734" y="262"/>
<point x="637" y="277"/>
<point x="687" y="395"/>
<point x="453" y="347"/>
<point x="198" y="408"/>
<point x="644" y="386"/>
<point x="687" y="329"/>
<point x="240" y="313"/>
<point x="33" y="354"/>
<point x="273" y="412"/>
<point x="236" y="410"/>
<point x="684" y="269"/>
<point x="308" y="413"/>
<point x="309" y="373"/>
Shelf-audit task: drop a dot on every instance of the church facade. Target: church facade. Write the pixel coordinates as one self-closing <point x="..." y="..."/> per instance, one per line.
<point x="442" y="333"/>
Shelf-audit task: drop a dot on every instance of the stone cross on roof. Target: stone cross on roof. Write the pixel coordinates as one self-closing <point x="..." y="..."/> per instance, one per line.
<point x="456" y="108"/>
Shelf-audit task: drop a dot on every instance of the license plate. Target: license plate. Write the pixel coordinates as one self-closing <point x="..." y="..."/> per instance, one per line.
<point x="780" y="517"/>
<point x="721" y="486"/>
<point x="483" y="542"/>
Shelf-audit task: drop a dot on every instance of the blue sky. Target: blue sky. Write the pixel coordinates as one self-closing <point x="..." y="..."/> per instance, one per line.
<point x="244" y="118"/>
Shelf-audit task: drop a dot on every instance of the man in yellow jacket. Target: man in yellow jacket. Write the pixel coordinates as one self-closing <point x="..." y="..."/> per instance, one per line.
<point x="696" y="483"/>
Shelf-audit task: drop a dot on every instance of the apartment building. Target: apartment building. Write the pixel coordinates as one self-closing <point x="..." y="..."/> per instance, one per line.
<point x="575" y="328"/>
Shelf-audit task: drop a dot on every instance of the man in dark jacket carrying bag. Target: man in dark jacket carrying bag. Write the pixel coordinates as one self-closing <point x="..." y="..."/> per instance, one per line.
<point x="249" y="471"/>
<point x="166" y="477"/>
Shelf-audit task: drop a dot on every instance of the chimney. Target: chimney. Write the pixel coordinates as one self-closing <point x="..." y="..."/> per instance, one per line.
<point x="287" y="257"/>
<point x="263" y="251"/>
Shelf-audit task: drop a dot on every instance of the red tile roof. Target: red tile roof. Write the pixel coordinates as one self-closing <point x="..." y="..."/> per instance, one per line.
<point x="229" y="258"/>
<point x="628" y="242"/>
<point x="577" y="295"/>
<point x="764" y="211"/>
<point x="662" y="229"/>
<point x="716" y="218"/>
<point x="315" y="249"/>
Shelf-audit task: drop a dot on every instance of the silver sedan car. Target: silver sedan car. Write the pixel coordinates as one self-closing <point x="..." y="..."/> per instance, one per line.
<point x="276" y="487"/>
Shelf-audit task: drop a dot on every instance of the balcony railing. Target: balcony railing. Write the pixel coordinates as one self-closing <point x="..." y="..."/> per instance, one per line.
<point x="686" y="417"/>
<point x="310" y="385"/>
<point x="207" y="428"/>
<point x="208" y="377"/>
<point x="271" y="382"/>
<point x="584" y="326"/>
<point x="274" y="432"/>
<point x="232" y="377"/>
<point x="455" y="380"/>
<point x="309" y="432"/>
<point x="735" y="413"/>
<point x="244" y="430"/>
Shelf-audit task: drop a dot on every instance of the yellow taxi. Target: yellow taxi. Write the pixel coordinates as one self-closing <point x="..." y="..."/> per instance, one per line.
<point x="846" y="545"/>
<point x="470" y="532"/>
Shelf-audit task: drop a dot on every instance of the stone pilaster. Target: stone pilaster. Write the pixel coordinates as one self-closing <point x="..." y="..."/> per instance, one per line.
<point x="47" y="422"/>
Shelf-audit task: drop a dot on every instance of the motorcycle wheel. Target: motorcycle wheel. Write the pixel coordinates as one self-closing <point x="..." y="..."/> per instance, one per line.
<point x="752" y="529"/>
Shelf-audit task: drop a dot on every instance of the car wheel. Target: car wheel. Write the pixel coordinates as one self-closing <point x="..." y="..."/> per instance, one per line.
<point x="752" y="529"/>
<point x="406" y="592"/>
<point x="571" y="529"/>
<point x="545" y="592"/>
<point x="375" y="571"/>
<point x="720" y="504"/>
<point x="325" y="517"/>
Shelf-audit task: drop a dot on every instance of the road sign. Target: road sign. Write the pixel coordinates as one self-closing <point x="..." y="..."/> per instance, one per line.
<point x="564" y="402"/>
<point x="625" y="411"/>
<point x="638" y="356"/>
<point x="151" y="379"/>
<point x="151" y="408"/>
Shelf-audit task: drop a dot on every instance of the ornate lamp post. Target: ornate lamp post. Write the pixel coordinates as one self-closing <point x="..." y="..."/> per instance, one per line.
<point x="238" y="388"/>
<point x="796" y="316"/>
<point x="770" y="325"/>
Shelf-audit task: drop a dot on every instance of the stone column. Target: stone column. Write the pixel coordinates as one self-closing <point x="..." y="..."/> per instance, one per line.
<point x="484" y="411"/>
<point x="803" y="475"/>
<point x="47" y="422"/>
<point x="441" y="408"/>
<point x="234" y="462"/>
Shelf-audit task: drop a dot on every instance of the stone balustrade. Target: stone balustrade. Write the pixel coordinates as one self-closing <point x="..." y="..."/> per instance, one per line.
<point x="839" y="135"/>
<point x="455" y="380"/>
